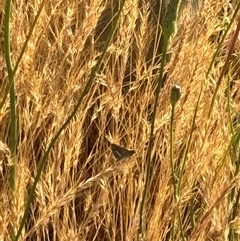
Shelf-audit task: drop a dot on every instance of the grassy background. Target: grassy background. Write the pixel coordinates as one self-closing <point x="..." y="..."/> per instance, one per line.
<point x="83" y="193"/>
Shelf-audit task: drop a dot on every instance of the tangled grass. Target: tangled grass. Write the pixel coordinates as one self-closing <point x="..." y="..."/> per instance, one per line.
<point x="85" y="194"/>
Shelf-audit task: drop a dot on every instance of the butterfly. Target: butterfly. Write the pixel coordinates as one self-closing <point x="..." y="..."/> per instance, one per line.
<point x="121" y="152"/>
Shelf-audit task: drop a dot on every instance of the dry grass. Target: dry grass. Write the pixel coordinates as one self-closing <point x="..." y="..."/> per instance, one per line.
<point x="83" y="194"/>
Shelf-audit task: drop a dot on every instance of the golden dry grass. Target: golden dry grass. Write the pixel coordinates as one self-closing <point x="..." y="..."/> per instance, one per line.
<point x="83" y="193"/>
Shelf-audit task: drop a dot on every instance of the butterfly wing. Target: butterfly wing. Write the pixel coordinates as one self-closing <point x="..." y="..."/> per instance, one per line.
<point x="121" y="152"/>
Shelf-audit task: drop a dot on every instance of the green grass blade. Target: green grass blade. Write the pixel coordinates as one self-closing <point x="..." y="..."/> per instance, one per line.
<point x="168" y="29"/>
<point x="222" y="40"/>
<point x="13" y="128"/>
<point x="22" y="52"/>
<point x="223" y="71"/>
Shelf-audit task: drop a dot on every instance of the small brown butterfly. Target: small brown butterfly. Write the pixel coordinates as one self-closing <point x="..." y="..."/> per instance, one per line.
<point x="121" y="152"/>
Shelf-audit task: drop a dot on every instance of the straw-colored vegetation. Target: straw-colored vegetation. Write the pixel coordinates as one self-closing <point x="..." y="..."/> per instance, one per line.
<point x="83" y="192"/>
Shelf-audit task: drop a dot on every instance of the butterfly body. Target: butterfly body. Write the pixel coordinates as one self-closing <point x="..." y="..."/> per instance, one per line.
<point x="121" y="152"/>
